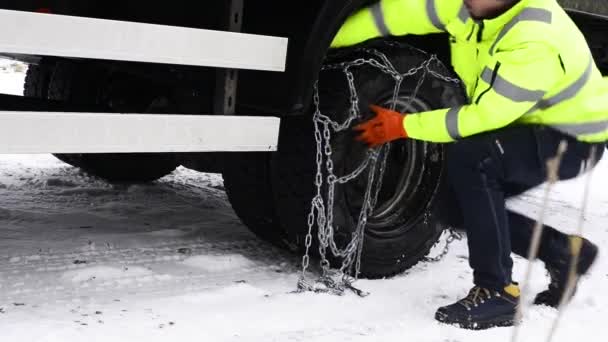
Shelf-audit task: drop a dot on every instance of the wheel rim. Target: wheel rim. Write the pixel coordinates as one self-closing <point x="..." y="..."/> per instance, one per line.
<point x="401" y="200"/>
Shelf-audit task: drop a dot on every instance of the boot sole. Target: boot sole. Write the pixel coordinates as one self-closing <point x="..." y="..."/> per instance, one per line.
<point x="496" y="322"/>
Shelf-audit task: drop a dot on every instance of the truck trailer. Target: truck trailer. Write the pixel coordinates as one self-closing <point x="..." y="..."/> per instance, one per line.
<point x="130" y="90"/>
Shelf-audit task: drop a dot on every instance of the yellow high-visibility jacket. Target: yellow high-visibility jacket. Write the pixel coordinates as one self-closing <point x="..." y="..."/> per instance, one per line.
<point x="530" y="65"/>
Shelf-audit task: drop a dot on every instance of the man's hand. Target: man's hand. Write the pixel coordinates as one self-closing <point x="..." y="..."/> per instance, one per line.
<point x="386" y="126"/>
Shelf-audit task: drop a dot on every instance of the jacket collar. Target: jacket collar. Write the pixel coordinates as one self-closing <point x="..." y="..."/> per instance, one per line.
<point x="491" y="27"/>
<point x="488" y="29"/>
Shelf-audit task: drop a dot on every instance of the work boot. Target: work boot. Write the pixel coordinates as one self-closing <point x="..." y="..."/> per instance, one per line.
<point x="559" y="271"/>
<point x="482" y="309"/>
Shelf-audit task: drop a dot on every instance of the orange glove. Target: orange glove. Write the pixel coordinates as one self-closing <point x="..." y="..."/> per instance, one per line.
<point x="386" y="126"/>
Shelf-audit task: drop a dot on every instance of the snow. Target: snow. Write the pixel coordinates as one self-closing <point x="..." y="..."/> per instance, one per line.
<point x="81" y="260"/>
<point x="103" y="273"/>
<point x="220" y="263"/>
<point x="12" y="77"/>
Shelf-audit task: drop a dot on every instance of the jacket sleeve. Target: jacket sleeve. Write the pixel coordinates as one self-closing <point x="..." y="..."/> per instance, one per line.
<point x="509" y="86"/>
<point x="397" y="17"/>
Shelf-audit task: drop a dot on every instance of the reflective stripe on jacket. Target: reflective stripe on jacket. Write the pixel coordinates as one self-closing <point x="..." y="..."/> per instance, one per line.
<point x="530" y="65"/>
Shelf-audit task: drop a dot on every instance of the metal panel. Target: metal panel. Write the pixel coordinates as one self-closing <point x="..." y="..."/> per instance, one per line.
<point x="67" y="36"/>
<point x="227" y="79"/>
<point x="50" y="132"/>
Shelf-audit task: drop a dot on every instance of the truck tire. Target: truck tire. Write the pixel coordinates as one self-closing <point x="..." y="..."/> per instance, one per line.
<point x="37" y="80"/>
<point x="79" y="83"/>
<point x="410" y="215"/>
<point x="248" y="183"/>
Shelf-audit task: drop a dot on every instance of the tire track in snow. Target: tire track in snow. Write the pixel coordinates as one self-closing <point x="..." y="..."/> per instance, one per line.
<point x="150" y="270"/>
<point x="36" y="262"/>
<point x="175" y="227"/>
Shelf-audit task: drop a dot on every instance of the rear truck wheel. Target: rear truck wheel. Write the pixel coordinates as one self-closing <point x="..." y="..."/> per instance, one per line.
<point x="83" y="84"/>
<point x="248" y="183"/>
<point x="410" y="214"/>
<point x="37" y="80"/>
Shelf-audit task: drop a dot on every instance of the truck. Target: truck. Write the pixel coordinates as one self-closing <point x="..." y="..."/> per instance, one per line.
<point x="130" y="90"/>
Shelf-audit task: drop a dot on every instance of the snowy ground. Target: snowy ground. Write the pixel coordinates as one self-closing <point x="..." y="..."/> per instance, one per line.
<point x="84" y="261"/>
<point x="11" y="77"/>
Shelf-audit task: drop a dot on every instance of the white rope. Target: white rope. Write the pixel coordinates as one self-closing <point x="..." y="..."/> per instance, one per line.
<point x="552" y="177"/>
<point x="572" y="274"/>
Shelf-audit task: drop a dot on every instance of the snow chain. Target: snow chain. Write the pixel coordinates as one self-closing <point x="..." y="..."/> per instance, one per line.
<point x="453" y="235"/>
<point x="336" y="281"/>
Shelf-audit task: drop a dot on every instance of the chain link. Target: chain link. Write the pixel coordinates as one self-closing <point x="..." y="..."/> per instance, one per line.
<point x="453" y="236"/>
<point x="337" y="281"/>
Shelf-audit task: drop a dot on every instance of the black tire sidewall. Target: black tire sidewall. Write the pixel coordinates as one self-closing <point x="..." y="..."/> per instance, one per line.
<point x="381" y="256"/>
<point x="247" y="180"/>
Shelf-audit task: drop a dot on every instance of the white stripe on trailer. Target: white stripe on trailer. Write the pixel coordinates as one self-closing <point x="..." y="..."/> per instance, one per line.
<point x="49" y="132"/>
<point x="68" y="36"/>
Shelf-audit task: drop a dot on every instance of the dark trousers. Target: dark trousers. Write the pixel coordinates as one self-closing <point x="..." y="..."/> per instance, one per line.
<point x="485" y="170"/>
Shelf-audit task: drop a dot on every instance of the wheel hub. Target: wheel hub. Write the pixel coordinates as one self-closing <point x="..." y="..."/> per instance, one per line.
<point x="400" y="198"/>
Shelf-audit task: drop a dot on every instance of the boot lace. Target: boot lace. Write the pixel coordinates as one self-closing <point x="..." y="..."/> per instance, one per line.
<point x="476" y="296"/>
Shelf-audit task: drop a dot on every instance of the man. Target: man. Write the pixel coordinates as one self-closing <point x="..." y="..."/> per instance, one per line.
<point x="531" y="83"/>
